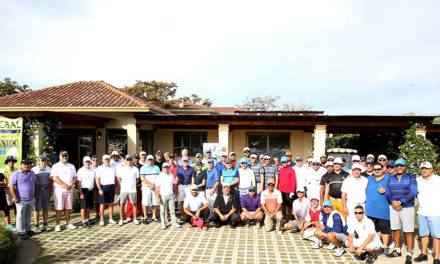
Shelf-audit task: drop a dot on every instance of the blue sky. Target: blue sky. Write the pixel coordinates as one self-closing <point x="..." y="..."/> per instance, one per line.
<point x="343" y="57"/>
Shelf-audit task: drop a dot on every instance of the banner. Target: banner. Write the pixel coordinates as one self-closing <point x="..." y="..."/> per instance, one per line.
<point x="215" y="150"/>
<point x="11" y="131"/>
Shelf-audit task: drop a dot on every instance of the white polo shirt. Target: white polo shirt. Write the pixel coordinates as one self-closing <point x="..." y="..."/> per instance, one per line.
<point x="63" y="172"/>
<point x="194" y="203"/>
<point x="429" y="195"/>
<point x="363" y="229"/>
<point x="128" y="176"/>
<point x="246" y="177"/>
<point x="165" y="182"/>
<point x="300" y="174"/>
<point x="86" y="177"/>
<point x="355" y="189"/>
<point x="106" y="174"/>
<point x="313" y="182"/>
<point x="300" y="209"/>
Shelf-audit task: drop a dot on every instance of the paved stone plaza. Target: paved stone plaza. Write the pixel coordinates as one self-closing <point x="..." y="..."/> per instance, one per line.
<point x="150" y="244"/>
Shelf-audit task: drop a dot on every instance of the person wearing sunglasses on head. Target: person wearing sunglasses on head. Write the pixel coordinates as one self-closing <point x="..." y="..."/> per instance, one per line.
<point x="401" y="192"/>
<point x="377" y="206"/>
<point x="362" y="238"/>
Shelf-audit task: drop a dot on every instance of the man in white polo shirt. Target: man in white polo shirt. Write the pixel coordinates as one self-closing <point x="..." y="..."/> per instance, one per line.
<point x="428" y="214"/>
<point x="115" y="159"/>
<point x="85" y="184"/>
<point x="106" y="183"/>
<point x="353" y="192"/>
<point x="166" y="190"/>
<point x="195" y="207"/>
<point x="148" y="173"/>
<point x="64" y="177"/>
<point x="128" y="177"/>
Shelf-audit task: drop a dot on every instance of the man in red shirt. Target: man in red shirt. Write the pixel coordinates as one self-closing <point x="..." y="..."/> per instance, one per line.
<point x="287" y="187"/>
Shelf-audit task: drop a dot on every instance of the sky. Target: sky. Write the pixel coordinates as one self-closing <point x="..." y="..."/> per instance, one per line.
<point x="372" y="57"/>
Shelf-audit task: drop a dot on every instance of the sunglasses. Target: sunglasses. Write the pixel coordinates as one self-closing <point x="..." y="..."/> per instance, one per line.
<point x="185" y="161"/>
<point x="330" y="159"/>
<point x="88" y="161"/>
<point x="370" y="165"/>
<point x="391" y="167"/>
<point x="358" y="213"/>
<point x="315" y="164"/>
<point x="271" y="184"/>
<point x="378" y="169"/>
<point x="382" y="160"/>
<point x="399" y="166"/>
<point x="356" y="161"/>
<point x="65" y="156"/>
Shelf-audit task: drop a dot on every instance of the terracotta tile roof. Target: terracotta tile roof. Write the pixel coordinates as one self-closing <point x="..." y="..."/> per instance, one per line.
<point x="90" y="94"/>
<point x="227" y="109"/>
<point x="192" y="106"/>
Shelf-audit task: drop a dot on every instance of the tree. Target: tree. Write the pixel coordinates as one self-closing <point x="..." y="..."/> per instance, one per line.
<point x="300" y="106"/>
<point x="158" y="93"/>
<point x="206" y="102"/>
<point x="259" y="103"/>
<point x="8" y="87"/>
<point x="416" y="149"/>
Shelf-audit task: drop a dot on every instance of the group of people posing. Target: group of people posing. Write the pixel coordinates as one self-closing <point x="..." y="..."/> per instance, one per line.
<point x="363" y="208"/>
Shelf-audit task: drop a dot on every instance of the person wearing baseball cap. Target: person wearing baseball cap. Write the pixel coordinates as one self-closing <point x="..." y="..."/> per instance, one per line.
<point x="85" y="184"/>
<point x="148" y="175"/>
<point x="309" y="162"/>
<point x="271" y="171"/>
<point x="391" y="167"/>
<point x="195" y="208"/>
<point x="64" y="177"/>
<point x="333" y="228"/>
<point x="401" y="192"/>
<point x="370" y="157"/>
<point x="185" y="153"/>
<point x="106" y="182"/>
<point x="301" y="171"/>
<point x="199" y="158"/>
<point x="290" y="162"/>
<point x="287" y="187"/>
<point x="369" y="171"/>
<point x="261" y="159"/>
<point x="159" y="159"/>
<point x="246" y="179"/>
<point x="166" y="191"/>
<point x="229" y="175"/>
<point x="225" y="208"/>
<point x="128" y="178"/>
<point x="354" y="191"/>
<point x="212" y="183"/>
<point x="313" y="178"/>
<point x="428" y="213"/>
<point x="246" y="157"/>
<point x="333" y="184"/>
<point x="42" y="202"/>
<point x="233" y="157"/>
<point x="251" y="208"/>
<point x="311" y="223"/>
<point x="143" y="158"/>
<point x="271" y="202"/>
<point x="329" y="168"/>
<point x="184" y="177"/>
<point x="300" y="207"/>
<point x="208" y="156"/>
<point x="382" y="159"/>
<point x="200" y="178"/>
<point x="257" y="168"/>
<point x="115" y="159"/>
<point x="222" y="163"/>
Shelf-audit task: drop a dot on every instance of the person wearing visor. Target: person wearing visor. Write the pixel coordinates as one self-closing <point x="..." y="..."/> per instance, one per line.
<point x="42" y="202"/>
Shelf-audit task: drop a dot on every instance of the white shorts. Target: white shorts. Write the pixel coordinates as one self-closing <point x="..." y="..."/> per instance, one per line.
<point x="255" y="216"/>
<point x="309" y="234"/>
<point x="372" y="245"/>
<point x="148" y="197"/>
<point x="183" y="190"/>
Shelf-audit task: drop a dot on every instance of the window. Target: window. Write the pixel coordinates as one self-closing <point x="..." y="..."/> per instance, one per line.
<point x="273" y="144"/>
<point x="193" y="141"/>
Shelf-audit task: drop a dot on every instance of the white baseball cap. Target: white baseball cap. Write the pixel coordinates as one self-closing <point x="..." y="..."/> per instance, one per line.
<point x="246" y="149"/>
<point x="105" y="156"/>
<point x="165" y="164"/>
<point x="223" y="154"/>
<point x="357" y="166"/>
<point x="382" y="156"/>
<point x="266" y="157"/>
<point x="193" y="186"/>
<point x="232" y="153"/>
<point x="300" y="189"/>
<point x="114" y="152"/>
<point x="309" y="159"/>
<point x="150" y="157"/>
<point x="86" y="158"/>
<point x="328" y="163"/>
<point x="315" y="160"/>
<point x="143" y="153"/>
<point x="426" y="164"/>
<point x="355" y="157"/>
<point x="370" y="156"/>
<point x="337" y="160"/>
<point x="254" y="156"/>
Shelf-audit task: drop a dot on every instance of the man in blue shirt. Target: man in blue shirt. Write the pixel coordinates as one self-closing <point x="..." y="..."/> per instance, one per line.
<point x="333" y="228"/>
<point x="400" y="192"/>
<point x="229" y="175"/>
<point x="184" y="175"/>
<point x="247" y="157"/>
<point x="377" y="206"/>
<point x="212" y="183"/>
<point x="222" y="163"/>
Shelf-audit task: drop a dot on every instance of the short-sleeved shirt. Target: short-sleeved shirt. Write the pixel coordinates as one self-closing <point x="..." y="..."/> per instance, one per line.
<point x="300" y="208"/>
<point x="150" y="173"/>
<point x="220" y="166"/>
<point x="204" y="166"/>
<point x="180" y="163"/>
<point x="129" y="176"/>
<point x="363" y="229"/>
<point x="106" y="174"/>
<point x="429" y="195"/>
<point x="185" y="175"/>
<point x="270" y="172"/>
<point x="313" y="182"/>
<point x="301" y="175"/>
<point x="86" y="177"/>
<point x="335" y="181"/>
<point x="229" y="175"/>
<point x="65" y="173"/>
<point x="8" y="172"/>
<point x="247" y="178"/>
<point x="194" y="203"/>
<point x="165" y="182"/>
<point x="24" y="185"/>
<point x="271" y="200"/>
<point x="377" y="205"/>
<point x="258" y="170"/>
<point x="43" y="176"/>
<point x="355" y="189"/>
<point x="212" y="176"/>
<point x="251" y="203"/>
<point x="199" y="179"/>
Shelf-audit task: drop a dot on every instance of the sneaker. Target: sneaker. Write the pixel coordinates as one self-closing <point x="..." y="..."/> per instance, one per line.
<point x="408" y="260"/>
<point x="111" y="221"/>
<point x="259" y="225"/>
<point x="436" y="261"/>
<point x="135" y="221"/>
<point x="247" y="224"/>
<point x="392" y="245"/>
<point x="280" y="232"/>
<point x="316" y="246"/>
<point x="101" y="222"/>
<point x="46" y="227"/>
<point x="339" y="252"/>
<point x="164" y="227"/>
<point x="154" y="219"/>
<point x="421" y="257"/>
<point x="10" y="227"/>
<point x="57" y="228"/>
<point x="371" y="258"/>
<point x="394" y="254"/>
<point x="166" y="219"/>
<point x="71" y="226"/>
<point x="129" y="219"/>
<point x="31" y="233"/>
<point x="85" y="225"/>
<point x="331" y="246"/>
<point x="429" y="251"/>
<point x="37" y="230"/>
<point x="23" y="236"/>
<point x="121" y="222"/>
<point x="218" y="225"/>
<point x="384" y="251"/>
<point x="176" y="225"/>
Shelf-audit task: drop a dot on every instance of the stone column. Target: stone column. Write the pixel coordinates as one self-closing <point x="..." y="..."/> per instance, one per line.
<point x="319" y="141"/>
<point x="101" y="142"/>
<point x="39" y="134"/>
<point x="132" y="136"/>
<point x="223" y="136"/>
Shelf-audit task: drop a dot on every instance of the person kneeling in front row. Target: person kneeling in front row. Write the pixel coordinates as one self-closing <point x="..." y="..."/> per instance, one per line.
<point x="225" y="208"/>
<point x="251" y="207"/>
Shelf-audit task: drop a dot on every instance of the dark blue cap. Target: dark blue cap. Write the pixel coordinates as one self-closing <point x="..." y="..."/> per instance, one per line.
<point x="390" y="163"/>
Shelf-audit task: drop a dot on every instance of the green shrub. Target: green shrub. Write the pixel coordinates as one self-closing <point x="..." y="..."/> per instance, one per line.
<point x="8" y="245"/>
